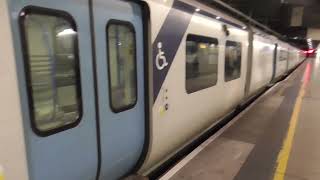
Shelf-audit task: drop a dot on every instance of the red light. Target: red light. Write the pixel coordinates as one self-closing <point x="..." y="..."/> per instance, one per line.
<point x="311" y="51"/>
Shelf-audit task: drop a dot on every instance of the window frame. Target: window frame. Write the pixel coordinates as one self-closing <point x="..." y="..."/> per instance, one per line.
<point x="27" y="68"/>
<point x="132" y="28"/>
<point x="233" y="41"/>
<point x="201" y="39"/>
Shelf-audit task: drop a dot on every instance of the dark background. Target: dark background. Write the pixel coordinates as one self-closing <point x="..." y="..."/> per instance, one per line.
<point x="277" y="14"/>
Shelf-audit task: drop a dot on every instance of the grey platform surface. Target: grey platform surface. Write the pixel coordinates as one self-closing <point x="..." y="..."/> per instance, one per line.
<point x="249" y="148"/>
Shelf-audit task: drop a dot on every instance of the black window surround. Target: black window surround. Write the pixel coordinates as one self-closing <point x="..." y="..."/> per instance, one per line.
<point x="205" y="40"/>
<point x="230" y="43"/>
<point x="35" y="10"/>
<point x="130" y="26"/>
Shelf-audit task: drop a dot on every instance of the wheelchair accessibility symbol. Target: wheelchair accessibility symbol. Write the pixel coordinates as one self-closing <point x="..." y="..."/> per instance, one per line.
<point x="161" y="60"/>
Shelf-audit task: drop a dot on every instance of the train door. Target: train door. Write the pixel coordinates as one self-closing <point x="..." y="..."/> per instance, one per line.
<point x="54" y="61"/>
<point x="118" y="31"/>
<point x="275" y="54"/>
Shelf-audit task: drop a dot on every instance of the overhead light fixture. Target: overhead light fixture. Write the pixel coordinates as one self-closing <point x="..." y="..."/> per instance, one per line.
<point x="218" y="17"/>
<point x="244" y="27"/>
<point x="198" y="9"/>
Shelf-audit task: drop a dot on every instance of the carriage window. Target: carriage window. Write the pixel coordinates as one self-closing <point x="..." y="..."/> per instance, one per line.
<point x="52" y="70"/>
<point x="232" y="60"/>
<point x="201" y="62"/>
<point x="122" y="65"/>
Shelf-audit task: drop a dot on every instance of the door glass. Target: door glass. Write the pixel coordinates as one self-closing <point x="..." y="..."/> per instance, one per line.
<point x="283" y="55"/>
<point x="52" y="70"/>
<point x="122" y="65"/>
<point x="232" y="60"/>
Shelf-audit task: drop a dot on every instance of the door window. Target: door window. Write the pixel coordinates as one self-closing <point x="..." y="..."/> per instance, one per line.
<point x="122" y="65"/>
<point x="52" y="69"/>
<point x="283" y="55"/>
<point x="232" y="60"/>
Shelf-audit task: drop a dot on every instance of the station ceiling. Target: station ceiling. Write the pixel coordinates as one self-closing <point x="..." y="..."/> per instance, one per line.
<point x="270" y="11"/>
<point x="277" y="14"/>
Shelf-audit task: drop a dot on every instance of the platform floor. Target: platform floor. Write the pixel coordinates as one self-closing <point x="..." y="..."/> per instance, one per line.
<point x="276" y="138"/>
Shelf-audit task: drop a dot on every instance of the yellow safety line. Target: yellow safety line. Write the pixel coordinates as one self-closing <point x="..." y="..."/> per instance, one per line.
<point x="284" y="154"/>
<point x="1" y="173"/>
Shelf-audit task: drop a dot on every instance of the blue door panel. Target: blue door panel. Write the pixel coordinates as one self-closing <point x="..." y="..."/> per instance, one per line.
<point x="72" y="153"/>
<point x="122" y="133"/>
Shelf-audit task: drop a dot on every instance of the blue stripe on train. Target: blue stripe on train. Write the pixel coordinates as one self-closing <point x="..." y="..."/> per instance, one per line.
<point x="170" y="35"/>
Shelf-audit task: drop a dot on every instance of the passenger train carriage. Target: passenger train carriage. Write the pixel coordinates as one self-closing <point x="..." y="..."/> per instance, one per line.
<point x="99" y="89"/>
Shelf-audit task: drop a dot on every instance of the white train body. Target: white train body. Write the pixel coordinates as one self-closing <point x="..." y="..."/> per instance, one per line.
<point x="194" y="65"/>
<point x="189" y="115"/>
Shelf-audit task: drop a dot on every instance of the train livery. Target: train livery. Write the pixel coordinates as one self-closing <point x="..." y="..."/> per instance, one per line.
<point x="98" y="89"/>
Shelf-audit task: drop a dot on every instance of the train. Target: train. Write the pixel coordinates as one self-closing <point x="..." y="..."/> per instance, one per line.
<point x="100" y="89"/>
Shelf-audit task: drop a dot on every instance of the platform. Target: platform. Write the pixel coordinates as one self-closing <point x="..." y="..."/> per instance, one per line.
<point x="276" y="137"/>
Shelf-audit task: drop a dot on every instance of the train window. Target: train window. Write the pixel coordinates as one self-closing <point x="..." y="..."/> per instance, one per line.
<point x="232" y="60"/>
<point x="201" y="62"/>
<point x="52" y="69"/>
<point x="122" y="65"/>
